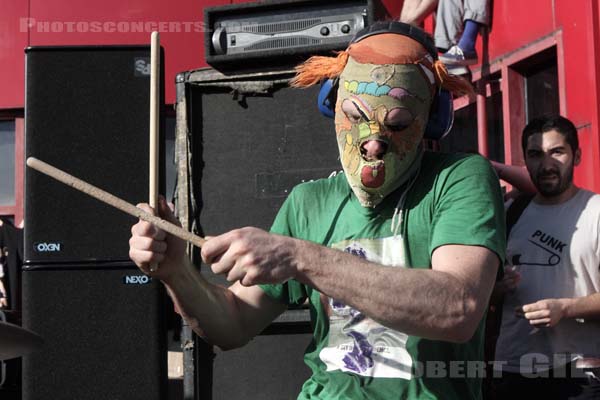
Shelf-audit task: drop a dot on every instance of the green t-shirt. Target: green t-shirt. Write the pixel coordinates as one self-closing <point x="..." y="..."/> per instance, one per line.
<point x="456" y="199"/>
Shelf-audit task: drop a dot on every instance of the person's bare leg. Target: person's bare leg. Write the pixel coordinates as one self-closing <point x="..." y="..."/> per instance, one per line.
<point x="415" y="11"/>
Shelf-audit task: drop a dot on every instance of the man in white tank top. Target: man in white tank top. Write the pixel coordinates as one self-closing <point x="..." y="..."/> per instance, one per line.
<point x="550" y="334"/>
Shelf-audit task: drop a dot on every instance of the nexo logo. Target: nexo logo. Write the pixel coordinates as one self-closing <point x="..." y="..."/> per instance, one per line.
<point x="47" y="247"/>
<point x="136" y="280"/>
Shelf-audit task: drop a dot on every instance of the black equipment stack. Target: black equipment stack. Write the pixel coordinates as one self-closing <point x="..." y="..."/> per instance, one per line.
<point x="87" y="112"/>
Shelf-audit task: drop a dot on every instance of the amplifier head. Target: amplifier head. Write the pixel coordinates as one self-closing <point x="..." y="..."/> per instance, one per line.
<point x="281" y="32"/>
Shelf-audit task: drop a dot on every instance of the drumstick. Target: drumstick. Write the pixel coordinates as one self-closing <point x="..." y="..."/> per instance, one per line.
<point x="154" y="114"/>
<point x="113" y="200"/>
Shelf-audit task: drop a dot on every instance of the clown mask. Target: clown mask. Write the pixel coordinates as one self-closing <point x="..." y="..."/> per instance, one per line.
<point x="381" y="114"/>
<point x="387" y="80"/>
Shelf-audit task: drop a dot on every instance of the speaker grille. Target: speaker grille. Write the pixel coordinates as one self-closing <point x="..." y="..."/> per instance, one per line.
<point x="86" y="113"/>
<point x="104" y="339"/>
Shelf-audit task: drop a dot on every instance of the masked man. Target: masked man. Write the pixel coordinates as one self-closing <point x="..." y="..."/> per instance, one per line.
<point x="397" y="256"/>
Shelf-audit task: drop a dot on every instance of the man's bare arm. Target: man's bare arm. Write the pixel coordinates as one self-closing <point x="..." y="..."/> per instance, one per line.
<point x="445" y="302"/>
<point x="226" y="317"/>
<point x="549" y="312"/>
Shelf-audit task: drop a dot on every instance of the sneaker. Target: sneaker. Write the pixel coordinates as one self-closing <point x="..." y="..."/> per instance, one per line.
<point x="456" y="56"/>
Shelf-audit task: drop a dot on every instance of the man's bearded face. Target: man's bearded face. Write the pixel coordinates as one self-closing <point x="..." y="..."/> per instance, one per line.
<point x="550" y="162"/>
<point x="381" y="115"/>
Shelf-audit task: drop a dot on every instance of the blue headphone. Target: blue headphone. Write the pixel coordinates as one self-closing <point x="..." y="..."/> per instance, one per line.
<point x="441" y="115"/>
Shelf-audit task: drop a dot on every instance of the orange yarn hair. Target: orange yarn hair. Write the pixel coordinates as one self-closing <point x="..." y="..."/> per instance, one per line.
<point x="317" y="68"/>
<point x="456" y="85"/>
<point x="387" y="49"/>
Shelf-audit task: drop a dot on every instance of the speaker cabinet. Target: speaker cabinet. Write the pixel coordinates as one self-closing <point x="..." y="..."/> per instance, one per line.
<point x="87" y="113"/>
<point x="253" y="139"/>
<point x="269" y="367"/>
<point x="104" y="334"/>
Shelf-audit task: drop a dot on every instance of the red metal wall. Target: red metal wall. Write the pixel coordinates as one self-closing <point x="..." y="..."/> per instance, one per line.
<point x="12" y="42"/>
<point x="578" y="23"/>
<point x="516" y="23"/>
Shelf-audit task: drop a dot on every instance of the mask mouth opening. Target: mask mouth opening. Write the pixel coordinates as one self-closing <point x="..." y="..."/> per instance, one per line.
<point x="374" y="149"/>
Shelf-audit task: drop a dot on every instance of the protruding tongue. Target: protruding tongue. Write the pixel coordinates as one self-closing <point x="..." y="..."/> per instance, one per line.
<point x="373" y="150"/>
<point x="373" y="177"/>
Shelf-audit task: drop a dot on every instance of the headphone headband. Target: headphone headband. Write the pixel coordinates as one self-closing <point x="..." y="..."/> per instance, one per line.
<point x="399" y="28"/>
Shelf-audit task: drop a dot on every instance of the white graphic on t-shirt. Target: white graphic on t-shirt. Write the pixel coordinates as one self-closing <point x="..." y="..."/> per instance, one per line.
<point x="357" y="343"/>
